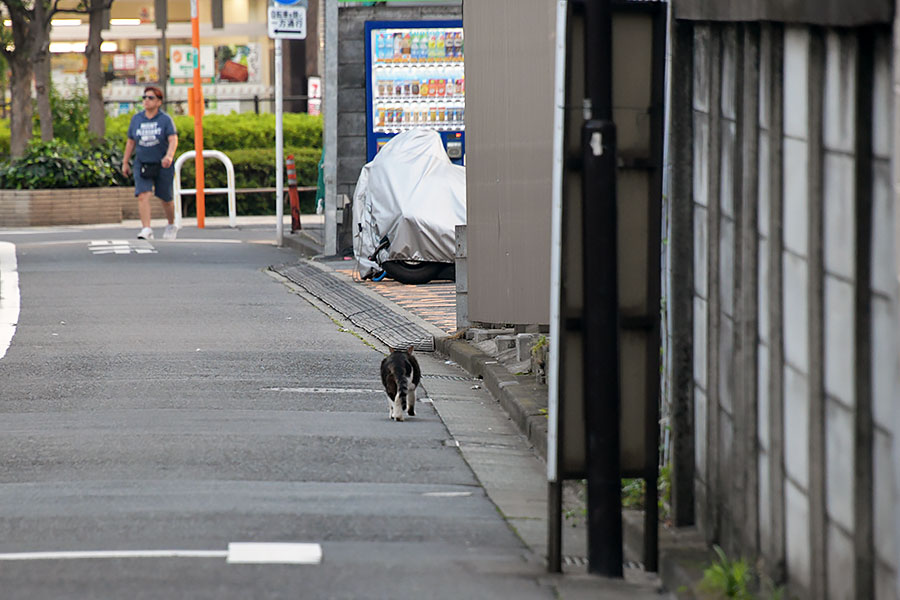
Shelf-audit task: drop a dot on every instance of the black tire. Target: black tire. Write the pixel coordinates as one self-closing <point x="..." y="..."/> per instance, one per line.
<point x="413" y="272"/>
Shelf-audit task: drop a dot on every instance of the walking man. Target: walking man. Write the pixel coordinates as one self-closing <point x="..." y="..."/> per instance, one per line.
<point x="152" y="133"/>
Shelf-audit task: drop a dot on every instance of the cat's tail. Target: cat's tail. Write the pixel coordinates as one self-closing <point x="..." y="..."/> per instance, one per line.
<point x="402" y="386"/>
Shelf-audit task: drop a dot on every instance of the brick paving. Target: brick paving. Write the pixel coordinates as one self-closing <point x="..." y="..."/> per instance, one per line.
<point x="435" y="302"/>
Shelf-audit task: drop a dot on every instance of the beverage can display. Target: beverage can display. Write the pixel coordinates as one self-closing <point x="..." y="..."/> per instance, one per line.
<point x="417" y="79"/>
<point x="397" y="46"/>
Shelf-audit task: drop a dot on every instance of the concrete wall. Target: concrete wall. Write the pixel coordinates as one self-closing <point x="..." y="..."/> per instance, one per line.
<point x="793" y="348"/>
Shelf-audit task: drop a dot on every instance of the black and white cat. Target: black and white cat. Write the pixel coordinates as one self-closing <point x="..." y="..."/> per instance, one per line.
<point x="400" y="375"/>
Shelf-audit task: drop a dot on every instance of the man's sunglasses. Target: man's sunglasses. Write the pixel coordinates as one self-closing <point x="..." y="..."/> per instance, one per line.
<point x="150" y="97"/>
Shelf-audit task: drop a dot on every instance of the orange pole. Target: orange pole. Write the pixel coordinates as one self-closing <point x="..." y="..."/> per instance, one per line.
<point x="196" y="106"/>
<point x="293" y="194"/>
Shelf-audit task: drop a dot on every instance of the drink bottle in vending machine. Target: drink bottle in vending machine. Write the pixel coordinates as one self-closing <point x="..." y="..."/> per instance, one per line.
<point x="415" y="78"/>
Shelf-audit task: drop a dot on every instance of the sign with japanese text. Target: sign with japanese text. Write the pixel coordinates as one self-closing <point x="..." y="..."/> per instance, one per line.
<point x="287" y="22"/>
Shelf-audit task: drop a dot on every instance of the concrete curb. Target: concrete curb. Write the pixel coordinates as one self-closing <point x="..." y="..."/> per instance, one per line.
<point x="524" y="400"/>
<point x="682" y="553"/>
<point x="303" y="242"/>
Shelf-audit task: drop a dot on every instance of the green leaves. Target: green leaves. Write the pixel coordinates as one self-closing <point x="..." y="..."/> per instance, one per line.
<point x="253" y="168"/>
<point x="237" y="131"/>
<point x="59" y="165"/>
<point x="72" y="161"/>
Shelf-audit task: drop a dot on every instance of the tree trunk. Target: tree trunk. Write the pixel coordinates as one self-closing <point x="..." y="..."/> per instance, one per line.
<point x="22" y="73"/>
<point x="41" y="57"/>
<point x="21" y="111"/>
<point x="42" y="90"/>
<point x="95" y="80"/>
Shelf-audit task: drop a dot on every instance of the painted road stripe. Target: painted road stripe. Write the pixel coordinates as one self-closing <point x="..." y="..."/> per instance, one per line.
<point x="321" y="390"/>
<point x="9" y="295"/>
<point x="447" y="494"/>
<point x="114" y="554"/>
<point x="293" y="554"/>
<point x="121" y="247"/>
<point x="237" y="553"/>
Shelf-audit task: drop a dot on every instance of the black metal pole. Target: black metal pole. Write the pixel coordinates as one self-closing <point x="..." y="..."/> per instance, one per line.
<point x="601" y="303"/>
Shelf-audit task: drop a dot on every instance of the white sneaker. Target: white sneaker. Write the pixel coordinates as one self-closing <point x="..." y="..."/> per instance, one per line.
<point x="145" y="234"/>
<point x="170" y="232"/>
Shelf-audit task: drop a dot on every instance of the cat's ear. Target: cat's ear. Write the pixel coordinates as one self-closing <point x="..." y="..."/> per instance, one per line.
<point x="409" y="350"/>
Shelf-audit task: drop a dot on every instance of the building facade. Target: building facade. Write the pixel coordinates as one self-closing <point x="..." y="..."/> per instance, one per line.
<point x="149" y="43"/>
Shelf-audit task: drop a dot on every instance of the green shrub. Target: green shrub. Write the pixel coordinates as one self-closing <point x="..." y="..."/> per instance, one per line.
<point x="236" y="131"/>
<point x="254" y="168"/>
<point x="58" y="165"/>
<point x="4" y="139"/>
<point x="71" y="115"/>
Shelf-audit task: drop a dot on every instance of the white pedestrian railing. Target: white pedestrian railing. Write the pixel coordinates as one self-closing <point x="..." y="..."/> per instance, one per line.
<point x="229" y="169"/>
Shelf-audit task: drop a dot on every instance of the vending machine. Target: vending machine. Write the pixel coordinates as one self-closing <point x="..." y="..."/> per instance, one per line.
<point x="415" y="79"/>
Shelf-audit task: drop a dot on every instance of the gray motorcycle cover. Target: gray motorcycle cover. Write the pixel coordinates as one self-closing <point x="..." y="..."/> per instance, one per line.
<point x="412" y="193"/>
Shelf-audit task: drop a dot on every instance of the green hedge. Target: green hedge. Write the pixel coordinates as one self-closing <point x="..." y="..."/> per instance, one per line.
<point x="236" y="131"/>
<point x="57" y="165"/>
<point x="220" y="132"/>
<point x="253" y="168"/>
<point x="247" y="139"/>
<point x="4" y="138"/>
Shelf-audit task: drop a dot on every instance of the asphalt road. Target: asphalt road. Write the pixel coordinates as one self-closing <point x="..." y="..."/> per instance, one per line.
<point x="176" y="397"/>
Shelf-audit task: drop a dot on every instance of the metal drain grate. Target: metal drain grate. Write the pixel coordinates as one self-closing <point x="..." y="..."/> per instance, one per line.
<point x="388" y="326"/>
<point x="582" y="561"/>
<point x="448" y="377"/>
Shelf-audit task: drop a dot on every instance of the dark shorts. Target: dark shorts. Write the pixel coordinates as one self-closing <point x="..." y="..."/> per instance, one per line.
<point x="161" y="186"/>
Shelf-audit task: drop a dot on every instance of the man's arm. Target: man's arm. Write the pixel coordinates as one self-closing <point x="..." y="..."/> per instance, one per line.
<point x="129" y="148"/>
<point x="170" y="154"/>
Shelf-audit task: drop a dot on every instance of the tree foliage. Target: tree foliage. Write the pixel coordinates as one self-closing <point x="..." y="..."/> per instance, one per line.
<point x="26" y="48"/>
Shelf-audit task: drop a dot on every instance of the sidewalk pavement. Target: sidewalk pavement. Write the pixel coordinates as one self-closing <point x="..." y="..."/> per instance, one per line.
<point x="515" y="480"/>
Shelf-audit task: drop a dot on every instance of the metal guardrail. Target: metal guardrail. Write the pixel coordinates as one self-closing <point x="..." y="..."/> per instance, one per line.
<point x="229" y="169"/>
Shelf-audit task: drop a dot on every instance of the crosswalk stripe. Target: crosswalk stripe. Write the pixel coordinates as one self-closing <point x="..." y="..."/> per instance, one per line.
<point x="121" y="247"/>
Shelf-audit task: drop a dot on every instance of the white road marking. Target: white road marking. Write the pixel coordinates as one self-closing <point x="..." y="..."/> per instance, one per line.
<point x="321" y="390"/>
<point x="121" y="247"/>
<point x="294" y="554"/>
<point x="209" y="241"/>
<point x="237" y="553"/>
<point x="9" y="295"/>
<point x="115" y="554"/>
<point x="447" y="494"/>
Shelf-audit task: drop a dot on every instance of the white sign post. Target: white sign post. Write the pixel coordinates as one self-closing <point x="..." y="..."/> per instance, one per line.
<point x="286" y="19"/>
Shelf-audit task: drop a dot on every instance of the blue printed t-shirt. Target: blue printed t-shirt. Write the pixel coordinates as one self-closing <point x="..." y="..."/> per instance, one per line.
<point x="151" y="136"/>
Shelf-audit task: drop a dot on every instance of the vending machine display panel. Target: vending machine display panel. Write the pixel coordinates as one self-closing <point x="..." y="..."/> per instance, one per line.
<point x="415" y="78"/>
